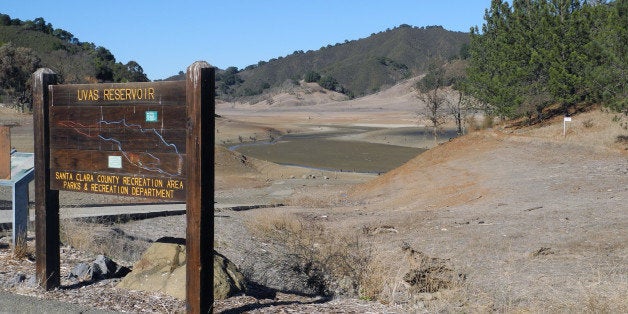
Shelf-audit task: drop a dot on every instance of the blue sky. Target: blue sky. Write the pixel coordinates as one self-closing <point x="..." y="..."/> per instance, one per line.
<point x="164" y="37"/>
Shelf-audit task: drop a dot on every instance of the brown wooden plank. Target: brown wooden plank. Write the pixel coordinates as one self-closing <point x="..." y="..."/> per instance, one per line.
<point x="5" y="152"/>
<point x="161" y="93"/>
<point x="200" y="191"/>
<point x="117" y="116"/>
<point x="165" y="165"/>
<point x="127" y="140"/>
<point x="47" y="255"/>
<point x="172" y="189"/>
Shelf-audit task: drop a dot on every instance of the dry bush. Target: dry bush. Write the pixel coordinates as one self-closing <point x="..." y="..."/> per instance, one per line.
<point x="588" y="123"/>
<point x="21" y="249"/>
<point x="414" y="280"/>
<point x="334" y="263"/>
<point x="488" y="122"/>
<point x="99" y="238"/>
<point x="473" y="123"/>
<point x="77" y="234"/>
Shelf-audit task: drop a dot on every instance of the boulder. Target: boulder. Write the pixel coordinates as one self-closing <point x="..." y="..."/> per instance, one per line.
<point x="228" y="280"/>
<point x="162" y="268"/>
<point x="102" y="268"/>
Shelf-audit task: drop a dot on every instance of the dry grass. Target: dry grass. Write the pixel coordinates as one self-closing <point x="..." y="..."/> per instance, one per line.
<point x="100" y="238"/>
<point x="77" y="234"/>
<point x="410" y="278"/>
<point x="335" y="263"/>
<point x="343" y="263"/>
<point x="21" y="250"/>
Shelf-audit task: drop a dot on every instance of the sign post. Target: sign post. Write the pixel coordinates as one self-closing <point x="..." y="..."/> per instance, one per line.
<point x="150" y="140"/>
<point x="5" y="152"/>
<point x="565" y="120"/>
<point x="47" y="256"/>
<point x="200" y="197"/>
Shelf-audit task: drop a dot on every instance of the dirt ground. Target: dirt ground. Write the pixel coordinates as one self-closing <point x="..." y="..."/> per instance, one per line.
<point x="531" y="219"/>
<point x="505" y="219"/>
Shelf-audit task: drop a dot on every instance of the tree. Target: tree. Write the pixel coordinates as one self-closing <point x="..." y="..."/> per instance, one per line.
<point x="328" y="82"/>
<point x="432" y="94"/>
<point x="5" y="20"/>
<point x="130" y="72"/>
<point x="16" y="67"/>
<point x="543" y="52"/>
<point x="312" y="77"/>
<point x="104" y="54"/>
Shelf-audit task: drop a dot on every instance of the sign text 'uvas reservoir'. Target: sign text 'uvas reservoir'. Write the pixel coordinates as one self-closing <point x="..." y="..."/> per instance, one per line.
<point x="115" y="94"/>
<point x="123" y="185"/>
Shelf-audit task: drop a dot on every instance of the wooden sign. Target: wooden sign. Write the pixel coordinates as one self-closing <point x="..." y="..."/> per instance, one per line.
<point x="5" y="153"/>
<point x="137" y="139"/>
<point x="122" y="139"/>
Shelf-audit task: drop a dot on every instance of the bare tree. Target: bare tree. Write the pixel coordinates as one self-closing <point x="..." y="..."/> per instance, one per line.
<point x="434" y="101"/>
<point x="431" y="91"/>
<point x="459" y="109"/>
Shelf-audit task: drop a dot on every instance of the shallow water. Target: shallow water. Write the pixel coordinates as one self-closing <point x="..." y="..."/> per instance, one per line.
<point x="334" y="155"/>
<point x="322" y="151"/>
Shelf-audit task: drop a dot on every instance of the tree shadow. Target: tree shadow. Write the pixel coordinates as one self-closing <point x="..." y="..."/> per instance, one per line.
<point x="260" y="292"/>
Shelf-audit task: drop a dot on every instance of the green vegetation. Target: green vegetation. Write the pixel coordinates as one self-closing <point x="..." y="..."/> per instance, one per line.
<point x="27" y="45"/>
<point x="356" y="67"/>
<point x="16" y="66"/>
<point x="540" y="57"/>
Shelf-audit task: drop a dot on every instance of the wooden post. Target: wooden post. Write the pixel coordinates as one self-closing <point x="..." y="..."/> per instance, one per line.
<point x="47" y="241"/>
<point x="200" y="190"/>
<point x="5" y="152"/>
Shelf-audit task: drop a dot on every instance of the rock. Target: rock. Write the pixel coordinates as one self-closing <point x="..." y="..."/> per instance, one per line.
<point x="228" y="280"/>
<point x="18" y="279"/>
<point x="80" y="272"/>
<point x="162" y="268"/>
<point x="102" y="268"/>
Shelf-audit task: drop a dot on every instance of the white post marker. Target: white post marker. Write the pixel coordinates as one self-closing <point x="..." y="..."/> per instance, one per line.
<point x="565" y="120"/>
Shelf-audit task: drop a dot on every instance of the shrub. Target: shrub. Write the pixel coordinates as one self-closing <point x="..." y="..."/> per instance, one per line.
<point x="311" y="77"/>
<point x="334" y="263"/>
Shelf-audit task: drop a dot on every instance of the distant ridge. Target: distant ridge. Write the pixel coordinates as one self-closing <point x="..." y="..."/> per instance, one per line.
<point x="360" y="67"/>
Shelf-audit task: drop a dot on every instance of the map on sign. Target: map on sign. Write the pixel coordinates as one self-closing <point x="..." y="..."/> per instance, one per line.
<point x="123" y="139"/>
<point x="144" y="160"/>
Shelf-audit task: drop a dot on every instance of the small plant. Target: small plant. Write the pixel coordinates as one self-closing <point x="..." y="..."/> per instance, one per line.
<point x="488" y="122"/>
<point x="587" y="123"/>
<point x="76" y="234"/>
<point x="21" y="250"/>
<point x="472" y="123"/>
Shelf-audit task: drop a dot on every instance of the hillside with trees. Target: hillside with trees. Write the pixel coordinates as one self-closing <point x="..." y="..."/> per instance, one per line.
<point x="354" y="67"/>
<point x="28" y="45"/>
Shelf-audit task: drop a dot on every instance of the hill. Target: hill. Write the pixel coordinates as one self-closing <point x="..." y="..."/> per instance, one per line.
<point x="355" y="67"/>
<point x="27" y="45"/>
<point x="362" y="66"/>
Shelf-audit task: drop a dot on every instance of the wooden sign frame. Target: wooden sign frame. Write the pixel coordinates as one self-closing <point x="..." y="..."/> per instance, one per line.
<point x="194" y="175"/>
